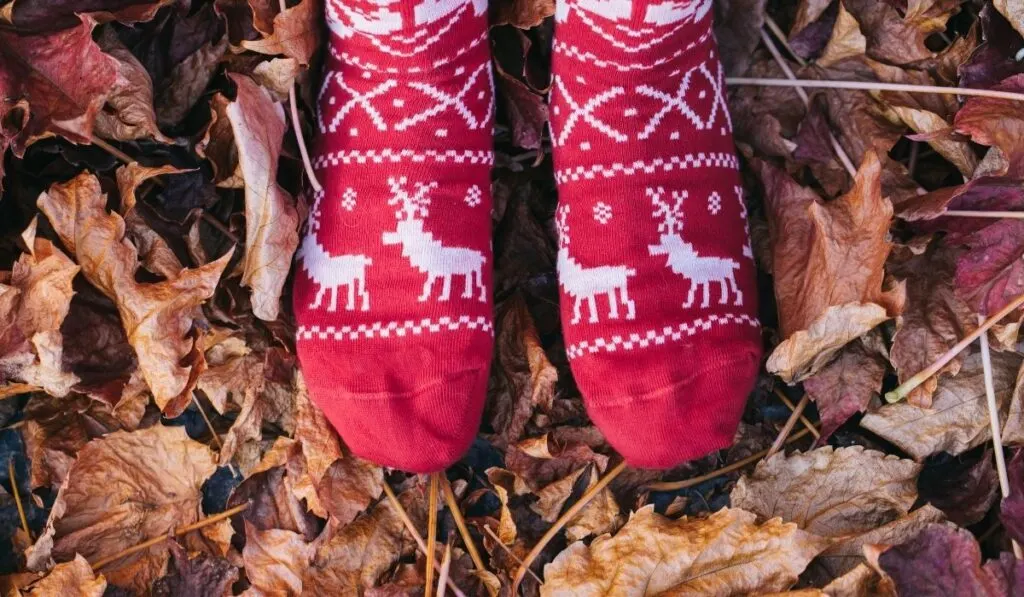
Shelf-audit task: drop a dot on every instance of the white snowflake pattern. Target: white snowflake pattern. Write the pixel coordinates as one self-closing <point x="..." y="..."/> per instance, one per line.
<point x="348" y="199"/>
<point x="474" y="196"/>
<point x="714" y="203"/>
<point x="602" y="212"/>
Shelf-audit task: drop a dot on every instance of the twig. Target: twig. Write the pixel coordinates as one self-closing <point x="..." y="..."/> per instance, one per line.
<point x="908" y="386"/>
<point x="993" y="420"/>
<point x="107" y="147"/>
<point x="409" y="526"/>
<point x="216" y="438"/>
<point x="808" y="425"/>
<point x="685" y="483"/>
<point x="446" y="562"/>
<point x="509" y="552"/>
<point x="177" y="533"/>
<point x="297" y="127"/>
<point x="788" y="427"/>
<point x="460" y="523"/>
<point x="781" y="36"/>
<point x="840" y="152"/>
<point x="562" y="521"/>
<point x="1018" y="215"/>
<point x="428" y="590"/>
<point x="874" y="86"/>
<point x="17" y="497"/>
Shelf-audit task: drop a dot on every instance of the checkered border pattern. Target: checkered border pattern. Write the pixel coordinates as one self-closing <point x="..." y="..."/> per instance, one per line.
<point x="395" y="156"/>
<point x="658" y="337"/>
<point x="399" y="329"/>
<point x="684" y="162"/>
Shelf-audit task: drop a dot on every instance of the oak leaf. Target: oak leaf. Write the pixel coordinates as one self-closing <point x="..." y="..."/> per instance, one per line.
<point x="157" y="317"/>
<point x="271" y="221"/>
<point x="727" y="553"/>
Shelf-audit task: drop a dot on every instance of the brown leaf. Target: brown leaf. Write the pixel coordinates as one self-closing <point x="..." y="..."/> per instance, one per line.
<point x="526" y="110"/>
<point x="272" y="223"/>
<point x="724" y="554"/>
<point x="124" y="489"/>
<point x="945" y="560"/>
<point x="958" y="418"/>
<point x="232" y="369"/>
<point x="737" y="25"/>
<point x="275" y="560"/>
<point x="131" y="175"/>
<point x="964" y="488"/>
<point x="295" y="33"/>
<point x="1011" y="511"/>
<point x="848" y="384"/>
<point x="348" y="487"/>
<point x="187" y="83"/>
<point x="996" y="123"/>
<point x="838" y="249"/>
<point x="70" y="579"/>
<point x="933" y="129"/>
<point x="60" y="14"/>
<point x="277" y="76"/>
<point x="932" y="322"/>
<point x="129" y="114"/>
<point x="64" y="76"/>
<point x="830" y="492"/>
<point x="896" y="40"/>
<point x="218" y="146"/>
<point x="1013" y="10"/>
<point x="157" y="317"/>
<point x="846" y="41"/>
<point x="201" y="575"/>
<point x="523" y="14"/>
<point x="273" y="504"/>
<point x="990" y="274"/>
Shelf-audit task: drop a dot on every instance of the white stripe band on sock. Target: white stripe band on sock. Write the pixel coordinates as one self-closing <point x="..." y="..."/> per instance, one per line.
<point x="675" y="162"/>
<point x="659" y="336"/>
<point x="398" y="329"/>
<point x="394" y="156"/>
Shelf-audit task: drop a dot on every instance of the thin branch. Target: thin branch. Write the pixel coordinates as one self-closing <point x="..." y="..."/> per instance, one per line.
<point x="874" y="86"/>
<point x="460" y="523"/>
<point x="509" y="553"/>
<point x="177" y="533"/>
<point x="409" y="526"/>
<point x="446" y="562"/>
<point x="216" y="438"/>
<point x="781" y="36"/>
<point x="17" y="497"/>
<point x="836" y="147"/>
<point x="1018" y="215"/>
<point x="428" y="590"/>
<point x="564" y="520"/>
<point x="788" y="427"/>
<point x="685" y="483"/>
<point x="911" y="384"/>
<point x="107" y="147"/>
<point x="808" y="425"/>
<point x="297" y="127"/>
<point x="993" y="420"/>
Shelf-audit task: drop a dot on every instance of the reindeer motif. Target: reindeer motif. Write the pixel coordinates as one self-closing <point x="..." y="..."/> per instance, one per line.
<point x="582" y="282"/>
<point x="668" y="12"/>
<point x="383" y="17"/>
<point x="331" y="271"/>
<point x="427" y="254"/>
<point x="683" y="259"/>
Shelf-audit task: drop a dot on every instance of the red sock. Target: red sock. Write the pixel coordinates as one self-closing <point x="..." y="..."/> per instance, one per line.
<point x="655" y="266"/>
<point x="392" y="293"/>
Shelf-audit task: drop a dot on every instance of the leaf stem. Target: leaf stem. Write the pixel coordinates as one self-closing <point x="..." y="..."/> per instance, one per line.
<point x="564" y="520"/>
<point x="803" y="419"/>
<point x="911" y="384"/>
<point x="177" y="533"/>
<point x="17" y="496"/>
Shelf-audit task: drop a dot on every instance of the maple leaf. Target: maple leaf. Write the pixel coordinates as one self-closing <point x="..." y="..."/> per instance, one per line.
<point x="848" y="384"/>
<point x="272" y="223"/>
<point x="70" y="579"/>
<point x="64" y="76"/>
<point x="123" y="489"/>
<point x="724" y="554"/>
<point x="157" y="317"/>
<point x="958" y="417"/>
<point x="295" y="33"/>
<point x="838" y="249"/>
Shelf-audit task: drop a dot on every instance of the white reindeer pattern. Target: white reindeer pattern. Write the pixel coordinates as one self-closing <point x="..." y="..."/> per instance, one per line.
<point x="383" y="18"/>
<point x="582" y="282"/>
<point x="331" y="271"/>
<point x="427" y="254"/>
<point x="684" y="260"/>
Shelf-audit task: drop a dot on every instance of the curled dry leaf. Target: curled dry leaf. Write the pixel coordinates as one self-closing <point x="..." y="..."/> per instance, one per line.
<point x="727" y="553"/>
<point x="60" y="14"/>
<point x="275" y="560"/>
<point x="130" y="114"/>
<point x="124" y="489"/>
<point x="827" y="257"/>
<point x="64" y="76"/>
<point x="218" y="146"/>
<point x="157" y="317"/>
<point x="946" y="560"/>
<point x="277" y="76"/>
<point x="996" y="123"/>
<point x="990" y="274"/>
<point x="187" y="83"/>
<point x="846" y="40"/>
<point x="70" y="579"/>
<point x="348" y="486"/>
<point x="848" y="384"/>
<point x="523" y="14"/>
<point x="958" y="417"/>
<point x="295" y="33"/>
<point x="202" y="575"/>
<point x="271" y="221"/>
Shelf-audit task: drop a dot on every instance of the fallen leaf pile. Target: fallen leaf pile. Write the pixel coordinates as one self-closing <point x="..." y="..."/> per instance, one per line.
<point x="156" y="436"/>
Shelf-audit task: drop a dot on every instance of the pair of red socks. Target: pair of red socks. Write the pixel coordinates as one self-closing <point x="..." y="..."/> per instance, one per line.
<point x="392" y="294"/>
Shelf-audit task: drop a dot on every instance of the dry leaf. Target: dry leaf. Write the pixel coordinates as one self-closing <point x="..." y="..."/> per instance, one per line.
<point x="724" y="554"/>
<point x="277" y="76"/>
<point x="275" y="560"/>
<point x="130" y="114"/>
<point x="201" y="575"/>
<point x="523" y="14"/>
<point x="70" y="579"/>
<point x="848" y="384"/>
<point x="846" y="41"/>
<point x="272" y="223"/>
<point x="157" y="317"/>
<point x="124" y="489"/>
<point x="295" y="33"/>
<point x="187" y="83"/>
<point x="348" y="486"/>
<point x="1013" y="10"/>
<point x="958" y="417"/>
<point x="997" y="123"/>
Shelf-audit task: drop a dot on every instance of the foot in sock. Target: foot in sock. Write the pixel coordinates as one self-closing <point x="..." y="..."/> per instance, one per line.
<point x="655" y="266"/>
<point x="392" y="293"/>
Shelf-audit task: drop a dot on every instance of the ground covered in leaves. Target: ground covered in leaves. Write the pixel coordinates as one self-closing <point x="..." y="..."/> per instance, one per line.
<point x="156" y="436"/>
